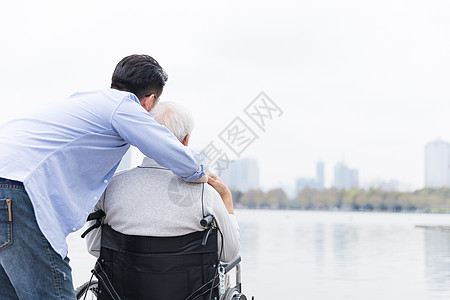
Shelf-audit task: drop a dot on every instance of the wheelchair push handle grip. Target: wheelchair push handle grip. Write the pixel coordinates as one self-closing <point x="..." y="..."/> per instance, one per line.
<point x="206" y="221"/>
<point x="97" y="215"/>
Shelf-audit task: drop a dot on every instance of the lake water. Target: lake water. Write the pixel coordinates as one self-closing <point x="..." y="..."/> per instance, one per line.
<point x="332" y="255"/>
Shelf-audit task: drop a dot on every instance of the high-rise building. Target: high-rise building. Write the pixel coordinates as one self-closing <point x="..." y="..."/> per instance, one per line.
<point x="437" y="162"/>
<point x="320" y="175"/>
<point x="242" y="174"/>
<point x="345" y="178"/>
<point x="314" y="183"/>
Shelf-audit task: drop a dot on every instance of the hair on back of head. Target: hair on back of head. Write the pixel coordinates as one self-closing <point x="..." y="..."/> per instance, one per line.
<point x="139" y="74"/>
<point x="177" y="118"/>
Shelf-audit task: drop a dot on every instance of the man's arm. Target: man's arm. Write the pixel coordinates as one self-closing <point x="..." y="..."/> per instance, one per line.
<point x="222" y="209"/>
<point x="136" y="126"/>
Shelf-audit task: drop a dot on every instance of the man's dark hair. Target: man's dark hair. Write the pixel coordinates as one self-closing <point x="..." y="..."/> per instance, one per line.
<point x="139" y="74"/>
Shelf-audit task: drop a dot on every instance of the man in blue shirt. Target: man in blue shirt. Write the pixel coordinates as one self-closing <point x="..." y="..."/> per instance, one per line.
<point x="55" y="164"/>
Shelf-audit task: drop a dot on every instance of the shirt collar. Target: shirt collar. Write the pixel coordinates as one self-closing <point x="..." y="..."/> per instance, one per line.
<point x="147" y="162"/>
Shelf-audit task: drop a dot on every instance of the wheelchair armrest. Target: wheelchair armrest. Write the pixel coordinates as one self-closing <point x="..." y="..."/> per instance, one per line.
<point x="232" y="264"/>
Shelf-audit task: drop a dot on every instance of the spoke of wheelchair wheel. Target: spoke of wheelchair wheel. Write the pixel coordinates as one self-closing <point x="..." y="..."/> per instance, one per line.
<point x="88" y="292"/>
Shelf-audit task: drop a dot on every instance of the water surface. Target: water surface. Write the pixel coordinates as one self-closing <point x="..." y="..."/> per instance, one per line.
<point x="332" y="255"/>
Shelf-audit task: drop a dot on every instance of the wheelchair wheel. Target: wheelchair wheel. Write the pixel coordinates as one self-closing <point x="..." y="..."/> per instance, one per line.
<point x="233" y="294"/>
<point x="88" y="290"/>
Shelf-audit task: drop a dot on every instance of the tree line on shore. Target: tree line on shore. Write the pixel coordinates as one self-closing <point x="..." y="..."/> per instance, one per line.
<point x="424" y="200"/>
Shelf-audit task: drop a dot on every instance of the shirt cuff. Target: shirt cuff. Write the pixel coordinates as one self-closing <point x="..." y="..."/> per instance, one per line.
<point x="196" y="176"/>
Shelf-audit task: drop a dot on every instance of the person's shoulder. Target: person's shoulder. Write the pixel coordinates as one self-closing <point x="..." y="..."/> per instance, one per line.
<point x="137" y="175"/>
<point x="211" y="192"/>
<point x="123" y="175"/>
<point x="208" y="191"/>
<point x="123" y="181"/>
<point x="121" y="95"/>
<point x="109" y="94"/>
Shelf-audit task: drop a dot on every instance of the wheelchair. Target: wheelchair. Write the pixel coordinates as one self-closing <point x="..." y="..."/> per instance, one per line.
<point x="89" y="290"/>
<point x="158" y="268"/>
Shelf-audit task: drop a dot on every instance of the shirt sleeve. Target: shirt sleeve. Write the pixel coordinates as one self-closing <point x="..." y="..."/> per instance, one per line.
<point x="227" y="224"/>
<point x="94" y="238"/>
<point x="137" y="127"/>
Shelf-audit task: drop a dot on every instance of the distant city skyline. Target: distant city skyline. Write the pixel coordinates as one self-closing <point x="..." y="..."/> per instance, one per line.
<point x="244" y="173"/>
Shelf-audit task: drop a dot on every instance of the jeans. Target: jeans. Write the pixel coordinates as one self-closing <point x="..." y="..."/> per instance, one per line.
<point x="29" y="267"/>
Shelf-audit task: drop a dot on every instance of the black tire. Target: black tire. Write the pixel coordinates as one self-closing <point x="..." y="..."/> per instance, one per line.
<point x="88" y="290"/>
<point x="233" y="294"/>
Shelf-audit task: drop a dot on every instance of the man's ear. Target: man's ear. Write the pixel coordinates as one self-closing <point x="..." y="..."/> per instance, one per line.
<point x="146" y="102"/>
<point x="186" y="140"/>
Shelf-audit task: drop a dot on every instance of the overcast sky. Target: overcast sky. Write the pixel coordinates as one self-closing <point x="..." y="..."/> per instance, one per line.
<point x="363" y="81"/>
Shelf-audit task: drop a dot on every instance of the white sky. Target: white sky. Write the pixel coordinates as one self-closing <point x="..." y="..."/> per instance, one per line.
<point x="367" y="81"/>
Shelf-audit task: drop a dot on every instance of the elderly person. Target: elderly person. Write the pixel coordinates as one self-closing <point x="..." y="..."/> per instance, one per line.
<point x="151" y="201"/>
<point x="151" y="244"/>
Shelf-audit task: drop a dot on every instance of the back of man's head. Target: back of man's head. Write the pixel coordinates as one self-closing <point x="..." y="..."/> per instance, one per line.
<point x="175" y="117"/>
<point x="139" y="74"/>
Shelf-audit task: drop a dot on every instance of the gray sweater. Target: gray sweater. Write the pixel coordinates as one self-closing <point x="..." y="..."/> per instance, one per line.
<point x="151" y="201"/>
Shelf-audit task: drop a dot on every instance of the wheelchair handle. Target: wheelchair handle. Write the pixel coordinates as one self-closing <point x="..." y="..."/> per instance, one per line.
<point x="232" y="264"/>
<point x="206" y="221"/>
<point x="97" y="215"/>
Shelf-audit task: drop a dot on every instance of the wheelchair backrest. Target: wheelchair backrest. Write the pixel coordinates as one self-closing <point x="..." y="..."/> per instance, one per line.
<point x="142" y="267"/>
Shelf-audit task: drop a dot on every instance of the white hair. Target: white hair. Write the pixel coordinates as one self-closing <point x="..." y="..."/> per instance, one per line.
<point x="177" y="118"/>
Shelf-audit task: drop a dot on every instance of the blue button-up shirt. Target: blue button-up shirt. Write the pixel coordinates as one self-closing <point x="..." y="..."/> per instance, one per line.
<point x="66" y="154"/>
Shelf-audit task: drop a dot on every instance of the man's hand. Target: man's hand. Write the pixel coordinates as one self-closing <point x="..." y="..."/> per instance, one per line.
<point x="222" y="189"/>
